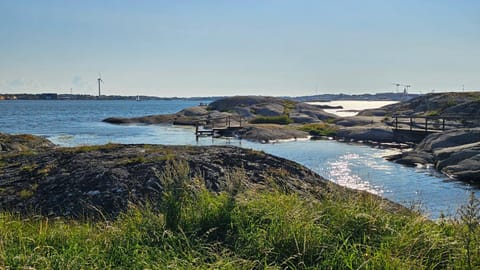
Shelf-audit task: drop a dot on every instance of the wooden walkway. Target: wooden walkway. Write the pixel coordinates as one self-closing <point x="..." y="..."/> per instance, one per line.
<point x="216" y="126"/>
<point x="432" y="124"/>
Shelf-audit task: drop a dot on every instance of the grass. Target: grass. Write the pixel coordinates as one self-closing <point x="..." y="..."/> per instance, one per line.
<point x="319" y="129"/>
<point x="89" y="148"/>
<point x="289" y="105"/>
<point x="432" y="113"/>
<point x="280" y="120"/>
<point x="244" y="229"/>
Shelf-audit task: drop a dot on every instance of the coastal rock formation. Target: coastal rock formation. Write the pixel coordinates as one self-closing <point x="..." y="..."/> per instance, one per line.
<point x="455" y="153"/>
<point x="102" y="181"/>
<point x="22" y="142"/>
<point x="313" y="111"/>
<point x="377" y="134"/>
<point x="269" y="133"/>
<point x="249" y="108"/>
<point x="439" y="104"/>
<point x="226" y="104"/>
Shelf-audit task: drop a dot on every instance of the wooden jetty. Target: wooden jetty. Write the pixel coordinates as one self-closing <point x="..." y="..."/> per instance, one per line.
<point x="432" y="124"/>
<point x="218" y="126"/>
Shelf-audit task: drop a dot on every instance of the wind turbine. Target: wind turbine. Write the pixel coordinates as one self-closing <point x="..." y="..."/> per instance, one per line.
<point x="99" y="81"/>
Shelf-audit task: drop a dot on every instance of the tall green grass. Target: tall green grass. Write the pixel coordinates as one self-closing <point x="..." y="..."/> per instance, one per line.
<point x="280" y="120"/>
<point x="244" y="230"/>
<point x="319" y="129"/>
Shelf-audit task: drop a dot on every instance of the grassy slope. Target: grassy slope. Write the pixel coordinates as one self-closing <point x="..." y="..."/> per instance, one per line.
<point x="243" y="230"/>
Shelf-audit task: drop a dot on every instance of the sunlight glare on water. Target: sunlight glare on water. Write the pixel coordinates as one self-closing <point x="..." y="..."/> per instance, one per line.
<point x="340" y="172"/>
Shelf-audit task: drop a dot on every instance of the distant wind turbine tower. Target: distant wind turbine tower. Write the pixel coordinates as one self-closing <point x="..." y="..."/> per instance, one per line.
<point x="100" y="81"/>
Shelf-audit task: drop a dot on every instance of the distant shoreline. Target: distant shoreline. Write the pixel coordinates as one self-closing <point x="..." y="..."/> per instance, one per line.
<point x="323" y="97"/>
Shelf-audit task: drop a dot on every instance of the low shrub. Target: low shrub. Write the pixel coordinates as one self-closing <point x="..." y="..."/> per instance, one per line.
<point x="319" y="129"/>
<point x="281" y="120"/>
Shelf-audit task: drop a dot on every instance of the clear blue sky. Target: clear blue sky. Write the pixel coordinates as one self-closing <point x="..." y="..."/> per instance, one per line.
<point x="271" y="47"/>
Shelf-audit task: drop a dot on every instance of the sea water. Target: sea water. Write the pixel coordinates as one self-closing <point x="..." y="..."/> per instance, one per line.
<point x="71" y="123"/>
<point x="351" y="107"/>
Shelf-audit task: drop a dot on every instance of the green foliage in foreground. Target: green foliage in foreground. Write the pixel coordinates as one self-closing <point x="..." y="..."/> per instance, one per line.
<point x="319" y="129"/>
<point x="280" y="120"/>
<point x="253" y="229"/>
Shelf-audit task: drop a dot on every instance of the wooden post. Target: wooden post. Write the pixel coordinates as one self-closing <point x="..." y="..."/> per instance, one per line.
<point x="426" y="124"/>
<point x="443" y="124"/>
<point x="411" y="123"/>
<point x="396" y="122"/>
<point x="196" y="131"/>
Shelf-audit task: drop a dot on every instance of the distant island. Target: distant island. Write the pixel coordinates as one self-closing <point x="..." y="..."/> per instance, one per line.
<point x="55" y="96"/>
<point x="321" y="97"/>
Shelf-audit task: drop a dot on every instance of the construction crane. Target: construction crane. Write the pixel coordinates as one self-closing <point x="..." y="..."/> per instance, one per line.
<point x="397" y="85"/>
<point x="405" y="89"/>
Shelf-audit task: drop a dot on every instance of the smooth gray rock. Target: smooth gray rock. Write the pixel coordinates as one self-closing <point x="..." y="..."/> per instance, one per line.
<point x="449" y="139"/>
<point x="245" y="112"/>
<point x="466" y="170"/>
<point x="313" y="111"/>
<point x="268" y="109"/>
<point x="303" y="118"/>
<point x="413" y="158"/>
<point x="377" y="134"/>
<point x="194" y="111"/>
<point x="268" y="133"/>
<point x="456" y="153"/>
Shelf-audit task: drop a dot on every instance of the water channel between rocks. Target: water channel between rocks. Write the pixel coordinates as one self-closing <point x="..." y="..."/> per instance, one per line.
<point x="70" y="123"/>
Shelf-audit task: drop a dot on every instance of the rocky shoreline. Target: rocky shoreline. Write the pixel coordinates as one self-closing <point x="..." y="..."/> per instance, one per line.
<point x="455" y="153"/>
<point x="103" y="181"/>
<point x="373" y="127"/>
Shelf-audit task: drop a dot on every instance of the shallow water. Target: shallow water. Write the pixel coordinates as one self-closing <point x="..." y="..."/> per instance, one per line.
<point x="70" y="123"/>
<point x="355" y="105"/>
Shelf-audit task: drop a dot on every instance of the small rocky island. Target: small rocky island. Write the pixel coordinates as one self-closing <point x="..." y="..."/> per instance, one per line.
<point x="264" y="118"/>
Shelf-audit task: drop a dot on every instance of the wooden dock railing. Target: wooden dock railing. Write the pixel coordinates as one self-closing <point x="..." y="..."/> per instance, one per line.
<point x="433" y="123"/>
<point x="209" y="126"/>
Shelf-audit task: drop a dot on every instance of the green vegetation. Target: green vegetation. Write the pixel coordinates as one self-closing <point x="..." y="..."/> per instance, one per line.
<point x="147" y="158"/>
<point x="89" y="148"/>
<point x="281" y="120"/>
<point x="25" y="193"/>
<point x="432" y="113"/>
<point x="289" y="106"/>
<point x="451" y="102"/>
<point x="28" y="168"/>
<point x="319" y="129"/>
<point x="198" y="229"/>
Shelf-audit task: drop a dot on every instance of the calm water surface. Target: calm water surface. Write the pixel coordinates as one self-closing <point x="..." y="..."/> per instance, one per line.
<point x="356" y="105"/>
<point x="70" y="123"/>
